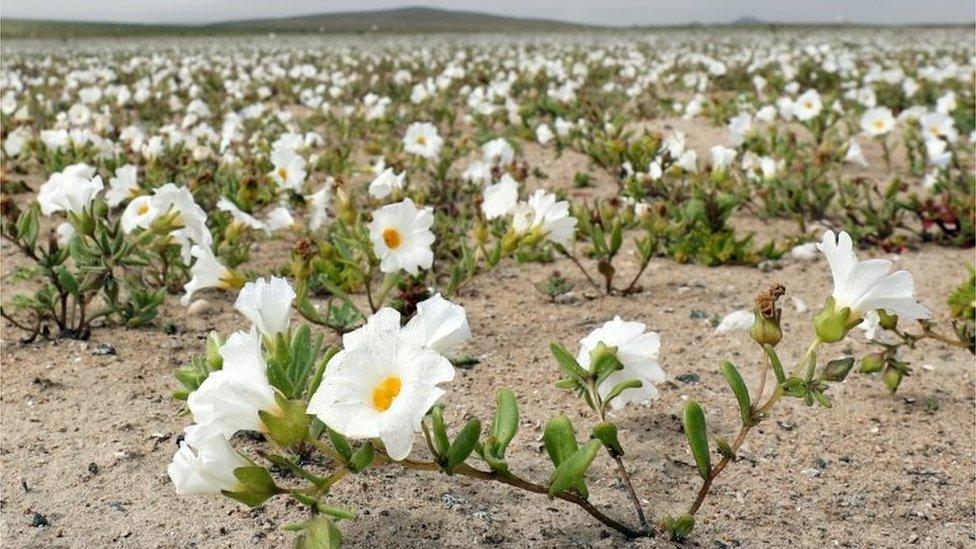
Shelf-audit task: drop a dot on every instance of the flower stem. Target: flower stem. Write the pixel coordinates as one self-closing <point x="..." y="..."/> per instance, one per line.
<point x="760" y="413"/>
<point x="523" y="484"/>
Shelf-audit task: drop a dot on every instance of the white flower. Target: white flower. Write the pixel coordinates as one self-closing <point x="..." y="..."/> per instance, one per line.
<point x="739" y="127"/>
<point x="807" y="106"/>
<point x="542" y="212"/>
<point x="318" y="205"/>
<point x="267" y="304"/>
<point x="16" y="140"/>
<point x="381" y="385"/>
<point x="239" y="215"/>
<point x="478" y="172"/>
<point x="736" y="321"/>
<point x="865" y="286"/>
<point x="500" y="198"/>
<point x="279" y="218"/>
<point x="422" y="139"/>
<point x="65" y="231"/>
<point x="877" y="121"/>
<point x="937" y="153"/>
<point x="543" y="134"/>
<point x="438" y="324"/>
<point x="498" y="152"/>
<point x="206" y="272"/>
<point x="123" y="186"/>
<point x="386" y="183"/>
<point x="854" y="154"/>
<point x="688" y="161"/>
<point x="289" y="169"/>
<point x="946" y="103"/>
<point x="722" y="157"/>
<point x="636" y="350"/>
<point x="71" y="190"/>
<point x="402" y="237"/>
<point x="207" y="467"/>
<point x="139" y="214"/>
<point x="938" y="126"/>
<point x="191" y="217"/>
<point x="229" y="399"/>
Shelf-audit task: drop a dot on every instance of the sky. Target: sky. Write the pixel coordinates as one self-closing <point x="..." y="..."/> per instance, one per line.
<point x="602" y="12"/>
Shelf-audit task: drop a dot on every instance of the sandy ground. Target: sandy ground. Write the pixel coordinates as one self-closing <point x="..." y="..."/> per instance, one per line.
<point x="86" y="437"/>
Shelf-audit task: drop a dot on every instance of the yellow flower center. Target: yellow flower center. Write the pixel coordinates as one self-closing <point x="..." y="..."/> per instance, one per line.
<point x="385" y="393"/>
<point x="421" y="140"/>
<point x="143" y="209"/>
<point x="282" y="173"/>
<point x="392" y="238"/>
<point x="808" y="104"/>
<point x="879" y="124"/>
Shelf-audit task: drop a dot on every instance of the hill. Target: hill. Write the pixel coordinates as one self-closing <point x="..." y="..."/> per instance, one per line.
<point x="411" y="19"/>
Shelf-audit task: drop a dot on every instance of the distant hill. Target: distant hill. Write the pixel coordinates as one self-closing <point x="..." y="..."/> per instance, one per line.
<point x="411" y="19"/>
<point x="748" y="22"/>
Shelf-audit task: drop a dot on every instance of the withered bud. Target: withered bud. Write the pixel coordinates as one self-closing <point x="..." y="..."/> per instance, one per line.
<point x="306" y="249"/>
<point x="766" y="329"/>
<point x="766" y="300"/>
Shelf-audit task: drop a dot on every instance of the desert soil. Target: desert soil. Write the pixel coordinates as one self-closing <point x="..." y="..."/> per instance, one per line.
<point x="89" y="427"/>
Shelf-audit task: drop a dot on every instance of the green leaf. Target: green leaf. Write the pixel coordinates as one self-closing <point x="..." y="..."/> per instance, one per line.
<point x="571" y="471"/>
<point x="567" y="363"/>
<point x="560" y="439"/>
<point x="362" y="458"/>
<point x="695" y="432"/>
<point x="739" y="389"/>
<point x="679" y="528"/>
<point x="606" y="433"/>
<point x="257" y="486"/>
<point x="463" y="445"/>
<point x="67" y="281"/>
<point x="616" y="237"/>
<point x="621" y="387"/>
<point x="341" y="444"/>
<point x="776" y="363"/>
<point x="506" y="421"/>
<point x="319" y="533"/>
<point x="441" y="441"/>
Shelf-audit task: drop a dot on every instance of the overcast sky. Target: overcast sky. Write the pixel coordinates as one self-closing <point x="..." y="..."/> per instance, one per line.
<point x="607" y="12"/>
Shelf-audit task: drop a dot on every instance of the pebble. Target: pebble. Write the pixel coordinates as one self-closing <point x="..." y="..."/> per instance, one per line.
<point x="104" y="349"/>
<point x="39" y="520"/>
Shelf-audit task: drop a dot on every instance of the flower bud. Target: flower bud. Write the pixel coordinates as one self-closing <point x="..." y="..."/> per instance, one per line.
<point x="480" y="232"/>
<point x="288" y="425"/>
<point x="837" y="370"/>
<point x="892" y="377"/>
<point x="872" y="363"/>
<point x="886" y="321"/>
<point x="832" y="325"/>
<point x="766" y="327"/>
<point x="606" y="432"/>
<point x="603" y="360"/>
<point x="214" y="360"/>
<point x="255" y="486"/>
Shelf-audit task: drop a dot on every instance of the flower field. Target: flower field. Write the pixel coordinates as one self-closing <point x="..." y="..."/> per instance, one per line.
<point x="521" y="290"/>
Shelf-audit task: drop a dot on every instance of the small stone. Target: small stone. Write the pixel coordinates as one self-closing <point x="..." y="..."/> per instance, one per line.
<point x="785" y="425"/>
<point x="198" y="307"/>
<point x="39" y="520"/>
<point x="688" y="378"/>
<point x="698" y="314"/>
<point x="104" y="349"/>
<point x="93" y="468"/>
